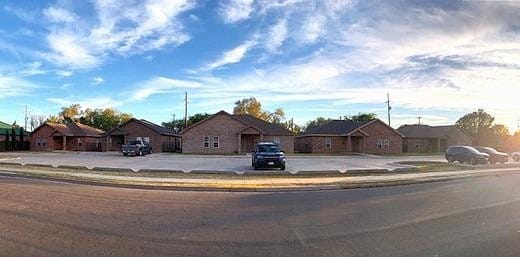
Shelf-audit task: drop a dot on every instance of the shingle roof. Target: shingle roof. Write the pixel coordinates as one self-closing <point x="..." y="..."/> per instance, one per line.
<point x="336" y="127"/>
<point x="75" y="129"/>
<point x="266" y="127"/>
<point x="7" y="128"/>
<point x="156" y="128"/>
<point x="425" y="131"/>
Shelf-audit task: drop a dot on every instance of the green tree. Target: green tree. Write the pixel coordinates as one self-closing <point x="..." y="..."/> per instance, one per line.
<point x="178" y="124"/>
<point x="361" y="117"/>
<point x="316" y="123"/>
<point x="104" y="119"/>
<point x="476" y="124"/>
<point x="253" y="107"/>
<point x="71" y="113"/>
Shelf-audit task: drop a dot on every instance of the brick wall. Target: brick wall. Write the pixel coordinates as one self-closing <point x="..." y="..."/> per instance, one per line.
<point x="223" y="126"/>
<point x="317" y="144"/>
<point x="378" y="130"/>
<point x="286" y="142"/>
<point x="43" y="134"/>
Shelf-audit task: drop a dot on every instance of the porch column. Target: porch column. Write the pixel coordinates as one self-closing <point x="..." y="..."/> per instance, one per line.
<point x="64" y="143"/>
<point x="239" y="143"/>
<point x="262" y="137"/>
<point x="349" y="143"/>
<point x="438" y="145"/>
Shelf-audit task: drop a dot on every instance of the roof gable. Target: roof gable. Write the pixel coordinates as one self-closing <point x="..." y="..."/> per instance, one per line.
<point x="150" y="125"/>
<point x="336" y="127"/>
<point x="73" y="129"/>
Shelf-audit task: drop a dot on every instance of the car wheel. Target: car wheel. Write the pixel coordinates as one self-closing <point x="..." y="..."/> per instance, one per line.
<point x="516" y="158"/>
<point x="141" y="153"/>
<point x="450" y="159"/>
<point x="150" y="152"/>
<point x="255" y="167"/>
<point x="473" y="161"/>
<point x="282" y="167"/>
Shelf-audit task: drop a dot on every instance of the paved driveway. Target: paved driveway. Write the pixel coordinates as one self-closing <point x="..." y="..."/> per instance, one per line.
<point x="204" y="162"/>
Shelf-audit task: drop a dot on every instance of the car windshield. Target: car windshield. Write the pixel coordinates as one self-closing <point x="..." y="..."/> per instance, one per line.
<point x="490" y="150"/>
<point x="268" y="149"/>
<point x="471" y="149"/>
<point x="134" y="142"/>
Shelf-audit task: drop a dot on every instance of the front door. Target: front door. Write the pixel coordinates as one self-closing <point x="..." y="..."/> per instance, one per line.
<point x="357" y="144"/>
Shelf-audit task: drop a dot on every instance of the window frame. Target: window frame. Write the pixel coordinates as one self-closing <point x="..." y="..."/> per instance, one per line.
<point x="205" y="140"/>
<point x="218" y="141"/>
<point x="328" y="143"/>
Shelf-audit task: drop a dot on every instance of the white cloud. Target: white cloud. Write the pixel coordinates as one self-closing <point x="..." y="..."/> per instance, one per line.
<point x="97" y="80"/>
<point x="313" y="28"/>
<point x="233" y="11"/>
<point x="234" y="55"/>
<point x="55" y="14"/>
<point x="27" y="16"/>
<point x="13" y="86"/>
<point x="122" y="28"/>
<point x="32" y="69"/>
<point x="162" y="85"/>
<point x="277" y="35"/>
<point x="64" y="73"/>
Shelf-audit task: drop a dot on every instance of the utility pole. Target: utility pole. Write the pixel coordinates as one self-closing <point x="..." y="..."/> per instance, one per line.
<point x="185" y="109"/>
<point x="25" y="126"/>
<point x="419" y="120"/>
<point x="388" y="106"/>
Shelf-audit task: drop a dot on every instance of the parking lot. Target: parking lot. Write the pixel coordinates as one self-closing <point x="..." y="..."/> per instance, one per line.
<point x="189" y="163"/>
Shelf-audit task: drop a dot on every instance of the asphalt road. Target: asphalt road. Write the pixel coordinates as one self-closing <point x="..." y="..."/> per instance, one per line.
<point x="204" y="162"/>
<point x="471" y="217"/>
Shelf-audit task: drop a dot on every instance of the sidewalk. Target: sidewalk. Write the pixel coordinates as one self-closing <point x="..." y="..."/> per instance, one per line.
<point x="246" y="183"/>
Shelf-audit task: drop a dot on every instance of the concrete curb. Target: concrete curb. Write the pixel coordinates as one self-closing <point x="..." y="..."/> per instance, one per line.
<point x="368" y="171"/>
<point x="320" y="172"/>
<point x="160" y="170"/>
<point x="38" y="165"/>
<point x="73" y="167"/>
<point x="354" y="185"/>
<point x="113" y="169"/>
<point x="227" y="172"/>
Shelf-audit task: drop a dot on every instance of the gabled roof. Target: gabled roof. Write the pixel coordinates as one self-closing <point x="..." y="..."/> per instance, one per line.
<point x="425" y="131"/>
<point x="265" y="127"/>
<point x="156" y="128"/>
<point x="262" y="126"/>
<point x="4" y="125"/>
<point x="73" y="129"/>
<point x="344" y="128"/>
<point x="336" y="127"/>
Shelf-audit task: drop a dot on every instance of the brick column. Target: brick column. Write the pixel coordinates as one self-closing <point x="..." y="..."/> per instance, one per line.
<point x="64" y="143"/>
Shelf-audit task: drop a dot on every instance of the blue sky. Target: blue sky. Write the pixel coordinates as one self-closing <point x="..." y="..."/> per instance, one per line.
<point x="437" y="59"/>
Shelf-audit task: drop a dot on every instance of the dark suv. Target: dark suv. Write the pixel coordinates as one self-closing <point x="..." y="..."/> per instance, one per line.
<point x="467" y="154"/>
<point x="494" y="155"/>
<point x="268" y="155"/>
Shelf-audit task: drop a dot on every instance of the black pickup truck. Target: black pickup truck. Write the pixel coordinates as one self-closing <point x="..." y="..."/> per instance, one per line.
<point x="136" y="147"/>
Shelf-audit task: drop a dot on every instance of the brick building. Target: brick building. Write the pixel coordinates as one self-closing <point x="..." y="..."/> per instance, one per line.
<point x="66" y="137"/>
<point x="225" y="133"/>
<point x="345" y="136"/>
<point x="431" y="139"/>
<point x="160" y="138"/>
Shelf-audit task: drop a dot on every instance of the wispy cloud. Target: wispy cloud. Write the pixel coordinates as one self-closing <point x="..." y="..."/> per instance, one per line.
<point x="91" y="103"/>
<point x="162" y="85"/>
<point x="97" y="80"/>
<point x="154" y="25"/>
<point x="55" y="14"/>
<point x="276" y="36"/>
<point x="234" y="55"/>
<point x="236" y="10"/>
<point x="13" y="86"/>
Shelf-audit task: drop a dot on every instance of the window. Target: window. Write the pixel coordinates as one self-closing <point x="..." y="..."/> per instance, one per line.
<point x="206" y="142"/>
<point x="328" y="142"/>
<point x="276" y="140"/>
<point x="383" y="144"/>
<point x="43" y="142"/>
<point x="216" y="142"/>
<point x="380" y="144"/>
<point x="418" y="146"/>
<point x="38" y="142"/>
<point x="79" y="142"/>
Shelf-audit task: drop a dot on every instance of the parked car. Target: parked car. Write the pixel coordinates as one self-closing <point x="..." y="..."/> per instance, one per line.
<point x="136" y="147"/>
<point x="494" y="155"/>
<point x="268" y="155"/>
<point x="466" y="154"/>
